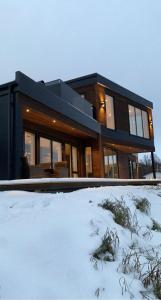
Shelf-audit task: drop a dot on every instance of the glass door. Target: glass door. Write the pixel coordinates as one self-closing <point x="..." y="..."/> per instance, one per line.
<point x="71" y="154"/>
<point x="68" y="158"/>
<point x="74" y="162"/>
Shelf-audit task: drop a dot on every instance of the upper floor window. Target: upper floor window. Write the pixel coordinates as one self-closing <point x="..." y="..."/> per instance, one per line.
<point x="110" y="118"/>
<point x="138" y="120"/>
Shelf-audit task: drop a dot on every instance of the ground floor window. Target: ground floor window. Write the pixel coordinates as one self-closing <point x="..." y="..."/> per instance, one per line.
<point x="74" y="161"/>
<point x="56" y="152"/>
<point x="88" y="160"/>
<point x="30" y="147"/>
<point x="110" y="163"/>
<point x="45" y="150"/>
<point x="50" y="151"/>
<point x="71" y="156"/>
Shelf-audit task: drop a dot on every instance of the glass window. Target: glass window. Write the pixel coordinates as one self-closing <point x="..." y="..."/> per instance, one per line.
<point x="132" y="119"/>
<point x="139" y="125"/>
<point x="88" y="158"/>
<point x="110" y="163"/>
<point x="74" y="159"/>
<point x="145" y="124"/>
<point x="45" y="150"/>
<point x="30" y="147"/>
<point x="56" y="152"/>
<point x="68" y="158"/>
<point x="110" y="120"/>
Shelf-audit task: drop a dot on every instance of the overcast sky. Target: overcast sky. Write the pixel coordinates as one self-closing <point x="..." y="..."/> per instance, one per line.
<point x="120" y="39"/>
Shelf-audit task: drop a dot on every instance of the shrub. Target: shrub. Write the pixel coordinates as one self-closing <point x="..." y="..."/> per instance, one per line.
<point x="108" y="248"/>
<point x="146" y="266"/>
<point x="121" y="212"/>
<point x="156" y="226"/>
<point x="142" y="204"/>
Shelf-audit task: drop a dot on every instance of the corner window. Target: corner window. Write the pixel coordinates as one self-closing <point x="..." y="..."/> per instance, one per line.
<point x="145" y="124"/>
<point x="30" y="147"/>
<point x="110" y="119"/>
<point x="139" y="125"/>
<point x="138" y="120"/>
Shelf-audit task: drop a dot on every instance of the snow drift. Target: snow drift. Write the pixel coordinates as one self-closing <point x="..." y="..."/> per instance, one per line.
<point x="50" y="244"/>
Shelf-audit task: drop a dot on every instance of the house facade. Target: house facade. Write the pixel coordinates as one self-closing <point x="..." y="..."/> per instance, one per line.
<point x="84" y="127"/>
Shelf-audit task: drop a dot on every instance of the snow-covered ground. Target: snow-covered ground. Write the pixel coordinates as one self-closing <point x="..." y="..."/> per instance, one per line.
<point x="47" y="242"/>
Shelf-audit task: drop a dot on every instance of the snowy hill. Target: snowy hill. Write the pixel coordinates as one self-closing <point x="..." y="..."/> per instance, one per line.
<point x="93" y="243"/>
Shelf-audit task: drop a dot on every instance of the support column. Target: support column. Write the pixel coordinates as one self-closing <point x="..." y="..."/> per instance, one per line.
<point x="153" y="165"/>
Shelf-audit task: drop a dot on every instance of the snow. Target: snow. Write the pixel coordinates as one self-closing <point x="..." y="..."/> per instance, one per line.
<point x="150" y="175"/>
<point x="47" y="241"/>
<point x="70" y="179"/>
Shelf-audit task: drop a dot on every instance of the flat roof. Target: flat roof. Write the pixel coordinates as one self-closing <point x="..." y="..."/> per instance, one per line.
<point x="97" y="78"/>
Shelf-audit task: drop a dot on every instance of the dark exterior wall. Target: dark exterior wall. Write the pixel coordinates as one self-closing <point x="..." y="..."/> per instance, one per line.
<point x="5" y="137"/>
<point x="10" y="137"/>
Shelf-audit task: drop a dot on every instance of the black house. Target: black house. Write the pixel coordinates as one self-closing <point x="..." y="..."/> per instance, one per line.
<point x="85" y="127"/>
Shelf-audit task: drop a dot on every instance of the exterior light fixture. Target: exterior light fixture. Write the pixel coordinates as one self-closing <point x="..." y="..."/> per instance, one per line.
<point x="102" y="104"/>
<point x="27" y="110"/>
<point x="54" y="121"/>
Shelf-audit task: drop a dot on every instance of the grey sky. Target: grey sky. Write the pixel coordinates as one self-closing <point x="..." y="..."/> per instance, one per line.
<point x="120" y="39"/>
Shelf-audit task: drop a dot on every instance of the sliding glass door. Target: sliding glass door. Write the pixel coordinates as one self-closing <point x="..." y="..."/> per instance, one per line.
<point x="71" y="154"/>
<point x="110" y="163"/>
<point x="74" y="162"/>
<point x="88" y="160"/>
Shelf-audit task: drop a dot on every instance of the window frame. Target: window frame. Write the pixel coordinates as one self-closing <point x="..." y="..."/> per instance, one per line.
<point x="114" y="153"/>
<point x="35" y="146"/>
<point x="114" y="121"/>
<point x="142" y="123"/>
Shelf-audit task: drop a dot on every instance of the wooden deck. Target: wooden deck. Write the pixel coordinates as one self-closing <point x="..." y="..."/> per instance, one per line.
<point x="66" y="185"/>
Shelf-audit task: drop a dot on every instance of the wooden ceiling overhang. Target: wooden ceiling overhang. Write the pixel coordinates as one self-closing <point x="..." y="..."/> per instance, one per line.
<point x="55" y="122"/>
<point x="41" y="100"/>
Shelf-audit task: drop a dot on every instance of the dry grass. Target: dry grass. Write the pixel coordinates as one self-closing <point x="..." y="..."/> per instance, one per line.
<point x="142" y="204"/>
<point x="121" y="212"/>
<point x="108" y="248"/>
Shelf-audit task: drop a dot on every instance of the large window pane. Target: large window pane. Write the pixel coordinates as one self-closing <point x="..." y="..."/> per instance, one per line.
<point x="30" y="147"/>
<point x="110" y="163"/>
<point x="74" y="159"/>
<point x="139" y="125"/>
<point x="145" y="124"/>
<point x="68" y="158"/>
<point x="45" y="150"/>
<point x="56" y="152"/>
<point x="88" y="157"/>
<point x="132" y="119"/>
<point x="110" y="120"/>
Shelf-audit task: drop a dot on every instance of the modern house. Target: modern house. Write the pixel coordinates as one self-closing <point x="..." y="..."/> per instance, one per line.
<point x="84" y="127"/>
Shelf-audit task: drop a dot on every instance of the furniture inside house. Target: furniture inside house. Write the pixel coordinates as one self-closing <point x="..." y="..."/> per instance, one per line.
<point x="45" y="170"/>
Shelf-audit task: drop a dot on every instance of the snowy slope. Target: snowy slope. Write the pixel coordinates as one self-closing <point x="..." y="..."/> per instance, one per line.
<point x="47" y="242"/>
